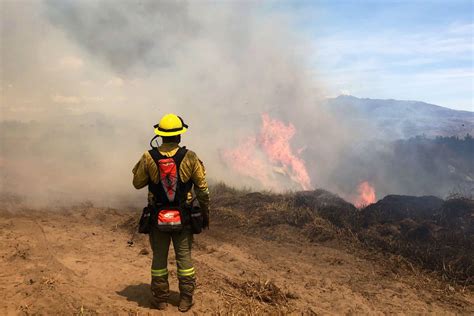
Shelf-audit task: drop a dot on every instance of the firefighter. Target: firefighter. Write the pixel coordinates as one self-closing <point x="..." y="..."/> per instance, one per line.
<point x="191" y="175"/>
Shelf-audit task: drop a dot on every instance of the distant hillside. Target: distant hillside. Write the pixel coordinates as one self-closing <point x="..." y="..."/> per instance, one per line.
<point x="394" y="119"/>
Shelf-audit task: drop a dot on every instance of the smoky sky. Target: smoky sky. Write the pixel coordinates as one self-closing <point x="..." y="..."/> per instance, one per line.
<point x="219" y="65"/>
<point x="223" y="64"/>
<point x="127" y="34"/>
<point x="83" y="83"/>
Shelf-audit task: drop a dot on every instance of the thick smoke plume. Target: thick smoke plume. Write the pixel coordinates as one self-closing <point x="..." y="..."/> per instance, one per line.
<point x="83" y="82"/>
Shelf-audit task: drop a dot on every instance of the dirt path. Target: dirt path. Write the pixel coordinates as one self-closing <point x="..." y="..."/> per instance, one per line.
<point x="80" y="261"/>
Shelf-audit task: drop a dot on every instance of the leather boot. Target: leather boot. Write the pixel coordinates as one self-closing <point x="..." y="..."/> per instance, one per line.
<point x="159" y="305"/>
<point x="160" y="292"/>
<point x="185" y="303"/>
<point x="187" y="284"/>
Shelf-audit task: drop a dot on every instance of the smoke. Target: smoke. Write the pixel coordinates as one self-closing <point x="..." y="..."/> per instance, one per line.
<point x="83" y="82"/>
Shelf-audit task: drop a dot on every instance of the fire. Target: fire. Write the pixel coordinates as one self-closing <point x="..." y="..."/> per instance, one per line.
<point x="275" y="139"/>
<point x="245" y="160"/>
<point x="366" y="194"/>
<point x="268" y="153"/>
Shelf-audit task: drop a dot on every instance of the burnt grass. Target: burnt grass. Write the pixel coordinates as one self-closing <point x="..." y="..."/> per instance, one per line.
<point x="431" y="233"/>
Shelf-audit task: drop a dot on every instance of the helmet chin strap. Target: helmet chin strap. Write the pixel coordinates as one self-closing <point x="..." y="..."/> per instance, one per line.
<point x="151" y="142"/>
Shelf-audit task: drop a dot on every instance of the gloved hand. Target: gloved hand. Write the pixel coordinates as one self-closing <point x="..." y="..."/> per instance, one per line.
<point x="205" y="219"/>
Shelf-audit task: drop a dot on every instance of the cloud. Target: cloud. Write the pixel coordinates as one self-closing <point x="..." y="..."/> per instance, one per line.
<point x="433" y="44"/>
<point x="391" y="63"/>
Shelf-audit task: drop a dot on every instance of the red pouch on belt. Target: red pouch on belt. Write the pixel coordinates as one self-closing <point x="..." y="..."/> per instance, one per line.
<point x="169" y="220"/>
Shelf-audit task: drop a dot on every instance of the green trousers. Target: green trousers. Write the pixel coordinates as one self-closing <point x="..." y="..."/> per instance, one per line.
<point x="160" y="243"/>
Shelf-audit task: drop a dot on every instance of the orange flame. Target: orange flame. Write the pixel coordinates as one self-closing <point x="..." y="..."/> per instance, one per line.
<point x="244" y="160"/>
<point x="260" y="157"/>
<point x="366" y="194"/>
<point x="275" y="139"/>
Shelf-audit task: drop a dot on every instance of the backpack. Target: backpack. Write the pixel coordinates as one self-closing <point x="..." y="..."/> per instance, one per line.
<point x="169" y="212"/>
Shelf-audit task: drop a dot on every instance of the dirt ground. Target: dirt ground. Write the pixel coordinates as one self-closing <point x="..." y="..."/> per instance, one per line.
<point x="84" y="261"/>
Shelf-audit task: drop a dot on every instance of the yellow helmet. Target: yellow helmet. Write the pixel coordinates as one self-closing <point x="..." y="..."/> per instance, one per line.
<point x="170" y="125"/>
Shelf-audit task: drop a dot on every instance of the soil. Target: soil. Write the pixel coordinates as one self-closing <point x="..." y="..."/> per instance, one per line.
<point x="87" y="261"/>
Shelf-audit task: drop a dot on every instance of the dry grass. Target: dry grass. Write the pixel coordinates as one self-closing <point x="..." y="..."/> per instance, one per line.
<point x="440" y="240"/>
<point x="265" y="292"/>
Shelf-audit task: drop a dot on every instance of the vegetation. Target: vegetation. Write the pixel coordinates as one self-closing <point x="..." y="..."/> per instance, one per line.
<point x="428" y="232"/>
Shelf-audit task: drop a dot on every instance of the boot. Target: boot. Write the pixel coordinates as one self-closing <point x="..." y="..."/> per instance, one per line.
<point x="187" y="284"/>
<point x="160" y="292"/>
<point x="159" y="305"/>
<point x="185" y="303"/>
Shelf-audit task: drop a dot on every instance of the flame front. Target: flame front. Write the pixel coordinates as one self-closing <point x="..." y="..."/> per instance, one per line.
<point x="245" y="160"/>
<point x="275" y="139"/>
<point x="269" y="153"/>
<point x="366" y="194"/>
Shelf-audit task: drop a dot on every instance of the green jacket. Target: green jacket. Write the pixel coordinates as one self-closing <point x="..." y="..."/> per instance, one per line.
<point x="191" y="169"/>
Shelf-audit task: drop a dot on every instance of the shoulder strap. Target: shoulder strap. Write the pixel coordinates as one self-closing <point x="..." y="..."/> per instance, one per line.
<point x="181" y="188"/>
<point x="156" y="155"/>
<point x="179" y="155"/>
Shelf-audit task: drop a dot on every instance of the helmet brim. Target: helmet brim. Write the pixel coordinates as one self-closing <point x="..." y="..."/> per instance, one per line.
<point x="163" y="133"/>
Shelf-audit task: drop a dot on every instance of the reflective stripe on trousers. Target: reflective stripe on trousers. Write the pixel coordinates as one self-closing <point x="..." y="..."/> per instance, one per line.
<point x="182" y="243"/>
<point x="159" y="272"/>
<point x="186" y="272"/>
